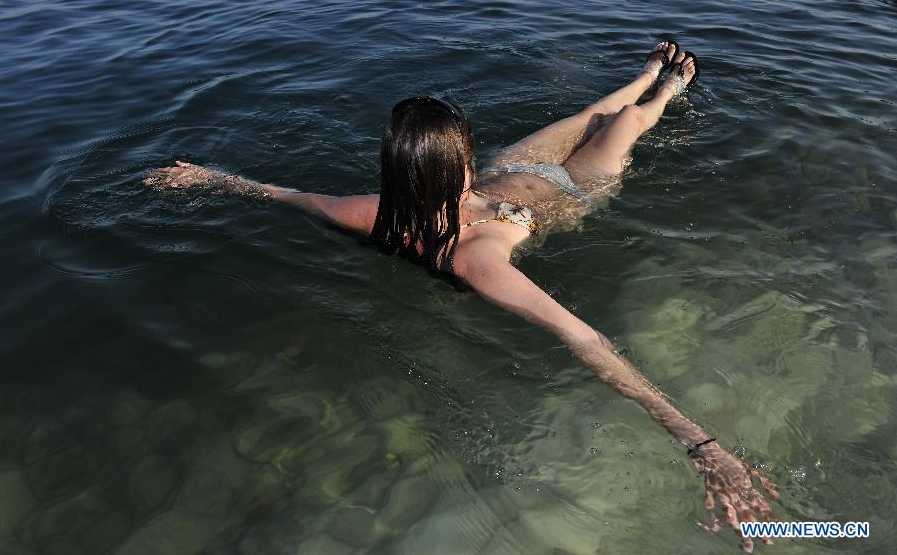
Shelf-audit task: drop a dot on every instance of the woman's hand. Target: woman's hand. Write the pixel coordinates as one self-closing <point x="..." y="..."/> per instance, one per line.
<point x="185" y="175"/>
<point x="729" y="485"/>
<point x="181" y="176"/>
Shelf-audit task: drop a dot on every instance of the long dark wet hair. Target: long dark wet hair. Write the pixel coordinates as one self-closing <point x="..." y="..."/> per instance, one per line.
<point x="426" y="146"/>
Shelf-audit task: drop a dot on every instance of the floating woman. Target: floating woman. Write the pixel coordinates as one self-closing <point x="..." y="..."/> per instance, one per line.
<point x="434" y="209"/>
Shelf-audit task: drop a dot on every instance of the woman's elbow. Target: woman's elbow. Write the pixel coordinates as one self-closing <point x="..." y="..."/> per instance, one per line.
<point x="587" y="338"/>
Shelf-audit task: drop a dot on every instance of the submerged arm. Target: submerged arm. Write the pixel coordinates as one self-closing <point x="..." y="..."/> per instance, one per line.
<point x="355" y="213"/>
<point x="499" y="282"/>
<point x="485" y="267"/>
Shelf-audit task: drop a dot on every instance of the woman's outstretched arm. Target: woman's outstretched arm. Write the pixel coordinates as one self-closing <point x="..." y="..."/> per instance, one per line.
<point x="484" y="265"/>
<point x="355" y="213"/>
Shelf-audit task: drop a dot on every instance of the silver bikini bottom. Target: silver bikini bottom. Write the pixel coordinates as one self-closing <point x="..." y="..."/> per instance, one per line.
<point x="553" y="173"/>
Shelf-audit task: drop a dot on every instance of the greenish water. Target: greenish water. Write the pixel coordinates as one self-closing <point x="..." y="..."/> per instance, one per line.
<point x="184" y="374"/>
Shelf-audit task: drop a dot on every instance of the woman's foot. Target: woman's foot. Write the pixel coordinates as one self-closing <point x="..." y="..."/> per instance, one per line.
<point x="660" y="58"/>
<point x="683" y="73"/>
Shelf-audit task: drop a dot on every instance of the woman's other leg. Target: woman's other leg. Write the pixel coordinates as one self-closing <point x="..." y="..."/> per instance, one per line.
<point x="557" y="142"/>
<point x="604" y="154"/>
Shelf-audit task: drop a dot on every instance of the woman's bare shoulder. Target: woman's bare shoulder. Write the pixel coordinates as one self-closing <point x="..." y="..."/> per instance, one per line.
<point x="482" y="245"/>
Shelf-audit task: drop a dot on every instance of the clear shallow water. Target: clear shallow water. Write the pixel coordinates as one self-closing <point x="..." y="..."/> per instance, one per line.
<point x="183" y="374"/>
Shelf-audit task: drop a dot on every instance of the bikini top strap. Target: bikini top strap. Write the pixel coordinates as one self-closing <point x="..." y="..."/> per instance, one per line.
<point x="480" y="222"/>
<point x="511" y="214"/>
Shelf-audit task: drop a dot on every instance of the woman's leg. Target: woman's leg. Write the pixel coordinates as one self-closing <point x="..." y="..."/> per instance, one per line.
<point x="604" y="154"/>
<point x="555" y="143"/>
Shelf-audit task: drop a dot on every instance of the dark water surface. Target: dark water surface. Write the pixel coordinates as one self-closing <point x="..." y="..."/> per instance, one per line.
<point x="184" y="373"/>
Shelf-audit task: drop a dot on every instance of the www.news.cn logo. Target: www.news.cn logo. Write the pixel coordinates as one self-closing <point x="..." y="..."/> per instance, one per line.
<point x="805" y="530"/>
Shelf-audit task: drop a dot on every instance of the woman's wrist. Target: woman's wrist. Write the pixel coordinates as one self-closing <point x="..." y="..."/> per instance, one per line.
<point x="694" y="448"/>
<point x="245" y="187"/>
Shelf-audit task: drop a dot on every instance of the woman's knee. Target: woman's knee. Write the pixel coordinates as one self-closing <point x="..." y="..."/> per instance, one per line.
<point x="633" y="115"/>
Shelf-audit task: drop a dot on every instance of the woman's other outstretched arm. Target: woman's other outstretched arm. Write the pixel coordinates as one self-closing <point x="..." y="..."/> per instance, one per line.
<point x="484" y="265"/>
<point x="355" y="213"/>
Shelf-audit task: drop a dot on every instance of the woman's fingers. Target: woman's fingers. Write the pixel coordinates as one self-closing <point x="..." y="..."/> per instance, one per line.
<point x="768" y="485"/>
<point x="156" y="178"/>
<point x="709" y="504"/>
<point x="761" y="506"/>
<point x="167" y="177"/>
<point x="729" y="511"/>
<point x="731" y="495"/>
